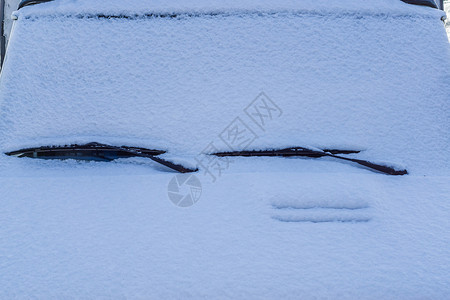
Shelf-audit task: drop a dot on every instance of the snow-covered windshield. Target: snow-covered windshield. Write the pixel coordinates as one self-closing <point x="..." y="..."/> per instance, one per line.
<point x="333" y="79"/>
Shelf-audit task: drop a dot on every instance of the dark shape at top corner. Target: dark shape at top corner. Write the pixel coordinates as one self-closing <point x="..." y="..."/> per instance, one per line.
<point x="24" y="3"/>
<point x="439" y="4"/>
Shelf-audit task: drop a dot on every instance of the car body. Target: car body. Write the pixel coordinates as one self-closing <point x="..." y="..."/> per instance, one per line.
<point x="196" y="78"/>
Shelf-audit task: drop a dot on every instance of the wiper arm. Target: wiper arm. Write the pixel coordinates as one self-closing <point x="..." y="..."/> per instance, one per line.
<point x="98" y="151"/>
<point x="300" y="151"/>
<point x="139" y="153"/>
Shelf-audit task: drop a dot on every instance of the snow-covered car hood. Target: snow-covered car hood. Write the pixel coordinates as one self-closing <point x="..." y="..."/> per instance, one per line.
<point x="103" y="230"/>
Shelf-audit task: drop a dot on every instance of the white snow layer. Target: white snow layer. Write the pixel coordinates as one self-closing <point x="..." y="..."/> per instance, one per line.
<point x="268" y="228"/>
<point x="132" y="7"/>
<point x="103" y="231"/>
<point x="373" y="82"/>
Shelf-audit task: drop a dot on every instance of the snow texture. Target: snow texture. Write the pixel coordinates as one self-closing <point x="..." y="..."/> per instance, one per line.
<point x="102" y="230"/>
<point x="133" y="7"/>
<point x="337" y="74"/>
<point x="351" y="81"/>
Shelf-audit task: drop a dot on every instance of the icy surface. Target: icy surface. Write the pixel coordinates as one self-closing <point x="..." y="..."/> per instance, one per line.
<point x="343" y="75"/>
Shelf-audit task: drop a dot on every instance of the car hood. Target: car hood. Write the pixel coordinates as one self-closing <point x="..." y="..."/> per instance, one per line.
<point x="104" y="230"/>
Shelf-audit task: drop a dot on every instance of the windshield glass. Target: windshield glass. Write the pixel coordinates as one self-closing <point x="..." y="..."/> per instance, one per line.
<point x="188" y="82"/>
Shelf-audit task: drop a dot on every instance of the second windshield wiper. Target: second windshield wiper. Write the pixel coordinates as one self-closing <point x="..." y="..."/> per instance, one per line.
<point x="98" y="152"/>
<point x="300" y="151"/>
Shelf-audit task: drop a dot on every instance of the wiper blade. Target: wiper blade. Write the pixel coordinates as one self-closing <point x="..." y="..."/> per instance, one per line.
<point x="99" y="152"/>
<point x="301" y="151"/>
<point x="295" y="151"/>
<point x="85" y="151"/>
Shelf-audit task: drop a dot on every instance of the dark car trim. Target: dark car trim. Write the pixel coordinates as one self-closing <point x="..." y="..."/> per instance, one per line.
<point x="31" y="2"/>
<point x="431" y="3"/>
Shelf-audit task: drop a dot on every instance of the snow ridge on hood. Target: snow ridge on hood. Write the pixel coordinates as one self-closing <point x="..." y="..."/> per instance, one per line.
<point x="139" y="7"/>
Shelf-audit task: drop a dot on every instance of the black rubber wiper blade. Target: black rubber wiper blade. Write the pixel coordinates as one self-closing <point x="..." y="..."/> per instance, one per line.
<point x="81" y="150"/>
<point x="294" y="151"/>
<point x="306" y="152"/>
<point x="98" y="152"/>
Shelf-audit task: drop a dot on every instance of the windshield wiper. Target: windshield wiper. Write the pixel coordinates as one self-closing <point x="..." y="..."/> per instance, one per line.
<point x="300" y="151"/>
<point x="103" y="152"/>
<point x="98" y="152"/>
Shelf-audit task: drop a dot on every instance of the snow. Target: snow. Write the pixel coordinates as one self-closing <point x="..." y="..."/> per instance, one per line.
<point x="367" y="82"/>
<point x="447" y="22"/>
<point x="342" y="75"/>
<point x="139" y="7"/>
<point x="83" y="236"/>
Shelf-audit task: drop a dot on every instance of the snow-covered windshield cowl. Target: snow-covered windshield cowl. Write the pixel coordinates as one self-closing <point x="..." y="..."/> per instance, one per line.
<point x="132" y="7"/>
<point x="342" y="76"/>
